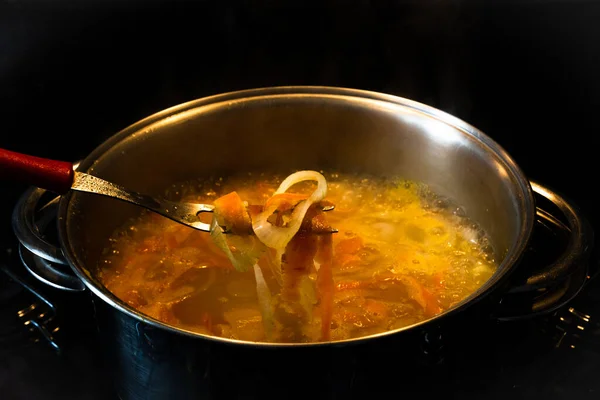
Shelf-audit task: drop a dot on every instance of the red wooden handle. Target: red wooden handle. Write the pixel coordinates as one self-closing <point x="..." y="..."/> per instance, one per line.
<point x="56" y="176"/>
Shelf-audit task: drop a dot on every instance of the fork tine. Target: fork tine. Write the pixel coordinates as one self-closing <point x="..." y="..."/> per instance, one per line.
<point x="191" y="218"/>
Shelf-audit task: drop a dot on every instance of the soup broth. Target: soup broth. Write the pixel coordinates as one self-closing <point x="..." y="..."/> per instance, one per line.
<point x="401" y="255"/>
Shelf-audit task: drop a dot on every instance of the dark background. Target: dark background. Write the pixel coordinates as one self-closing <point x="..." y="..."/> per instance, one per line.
<point x="525" y="72"/>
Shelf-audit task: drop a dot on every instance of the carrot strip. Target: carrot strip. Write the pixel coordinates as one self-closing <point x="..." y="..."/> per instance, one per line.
<point x="417" y="292"/>
<point x="348" y="246"/>
<point x="438" y="279"/>
<point x="231" y="209"/>
<point x="421" y="295"/>
<point x="325" y="284"/>
<point x="207" y="321"/>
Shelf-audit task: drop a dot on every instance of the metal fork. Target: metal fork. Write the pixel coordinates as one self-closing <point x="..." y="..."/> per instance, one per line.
<point x="184" y="213"/>
<point x="61" y="176"/>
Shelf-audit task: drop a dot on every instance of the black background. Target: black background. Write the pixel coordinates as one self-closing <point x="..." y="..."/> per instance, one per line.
<point x="525" y="72"/>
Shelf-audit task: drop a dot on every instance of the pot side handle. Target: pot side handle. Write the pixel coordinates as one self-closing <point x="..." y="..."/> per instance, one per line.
<point x="578" y="246"/>
<point x="541" y="289"/>
<point x="41" y="258"/>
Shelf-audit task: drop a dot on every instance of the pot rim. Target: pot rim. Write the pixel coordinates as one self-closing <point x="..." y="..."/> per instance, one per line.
<point x="513" y="255"/>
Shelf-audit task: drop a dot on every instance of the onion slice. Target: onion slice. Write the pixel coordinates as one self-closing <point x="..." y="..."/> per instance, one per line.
<point x="277" y="237"/>
<point x="272" y="261"/>
<point x="264" y="301"/>
<point x="242" y="251"/>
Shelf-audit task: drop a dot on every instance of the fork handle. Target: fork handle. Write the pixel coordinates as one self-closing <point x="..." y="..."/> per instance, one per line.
<point x="56" y="176"/>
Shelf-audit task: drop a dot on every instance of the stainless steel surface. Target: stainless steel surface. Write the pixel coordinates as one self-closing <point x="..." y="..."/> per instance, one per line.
<point x="30" y="219"/>
<point x="26" y="230"/>
<point x="290" y="128"/>
<point x="581" y="238"/>
<point x="44" y="271"/>
<point x="184" y="213"/>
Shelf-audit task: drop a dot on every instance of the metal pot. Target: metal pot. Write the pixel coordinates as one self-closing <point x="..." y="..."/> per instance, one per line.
<point x="283" y="129"/>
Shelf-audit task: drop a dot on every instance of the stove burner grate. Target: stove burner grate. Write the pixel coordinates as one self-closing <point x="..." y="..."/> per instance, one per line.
<point x="26" y="315"/>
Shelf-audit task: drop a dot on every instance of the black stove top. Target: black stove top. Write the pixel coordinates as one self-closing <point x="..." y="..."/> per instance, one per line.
<point x="47" y="343"/>
<point x="525" y="72"/>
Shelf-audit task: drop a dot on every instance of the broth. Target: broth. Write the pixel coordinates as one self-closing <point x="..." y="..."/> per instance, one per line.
<point x="401" y="255"/>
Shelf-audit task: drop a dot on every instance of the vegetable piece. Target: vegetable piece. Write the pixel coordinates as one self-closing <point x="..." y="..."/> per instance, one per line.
<point x="207" y="321"/>
<point x="134" y="298"/>
<point x="196" y="278"/>
<point x="299" y="260"/>
<point x="315" y="222"/>
<point x="272" y="261"/>
<point x="376" y="308"/>
<point x="347" y="261"/>
<point x="285" y="201"/>
<point x="325" y="284"/>
<point x="347" y="253"/>
<point x="438" y="279"/>
<point x="277" y="228"/>
<point x="150" y="245"/>
<point x="230" y="211"/>
<point x="417" y="292"/>
<point x="245" y="324"/>
<point x="308" y="295"/>
<point x="298" y="296"/>
<point x="264" y="302"/>
<point x="277" y="237"/>
<point x="420" y="294"/>
<point x="349" y="246"/>
<point x="174" y="235"/>
<point x="242" y="249"/>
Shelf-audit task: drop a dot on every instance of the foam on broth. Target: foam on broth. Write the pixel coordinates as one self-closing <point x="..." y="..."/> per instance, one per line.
<point x="402" y="255"/>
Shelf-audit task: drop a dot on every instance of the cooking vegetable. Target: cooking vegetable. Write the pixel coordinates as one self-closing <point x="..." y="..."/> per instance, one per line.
<point x="395" y="260"/>
<point x="242" y="248"/>
<point x="264" y="301"/>
<point x="277" y="237"/>
<point x="231" y="214"/>
<point x="325" y="284"/>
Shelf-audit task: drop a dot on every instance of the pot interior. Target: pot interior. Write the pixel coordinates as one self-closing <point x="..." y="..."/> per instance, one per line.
<point x="287" y="130"/>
